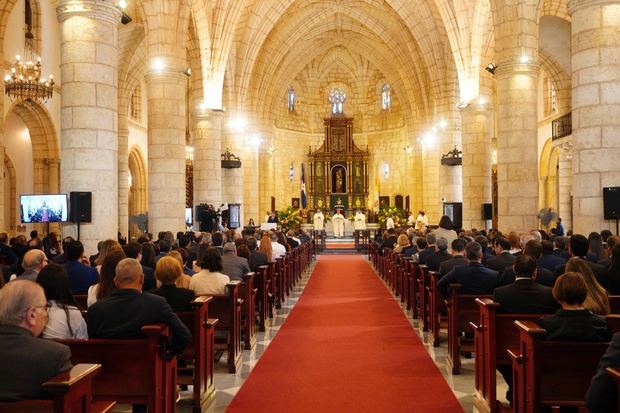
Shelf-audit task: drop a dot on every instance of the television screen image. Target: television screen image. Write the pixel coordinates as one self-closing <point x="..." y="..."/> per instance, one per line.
<point x="189" y="221"/>
<point x="44" y="208"/>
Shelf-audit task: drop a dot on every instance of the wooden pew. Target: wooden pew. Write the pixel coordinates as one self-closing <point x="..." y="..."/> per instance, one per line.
<point x="494" y="334"/>
<point x="132" y="371"/>
<point x="462" y="310"/>
<point x="437" y="308"/>
<point x="614" y="373"/>
<point x="414" y="288"/>
<point x="423" y="290"/>
<point x="614" y="304"/>
<point x="200" y="351"/>
<point x="247" y="292"/>
<point x="280" y="277"/>
<point x="263" y="301"/>
<point x="227" y="309"/>
<point x="273" y="288"/>
<point x="71" y="391"/>
<point x="551" y="373"/>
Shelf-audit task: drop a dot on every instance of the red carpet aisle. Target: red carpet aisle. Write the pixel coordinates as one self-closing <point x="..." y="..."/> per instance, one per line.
<point x="346" y="347"/>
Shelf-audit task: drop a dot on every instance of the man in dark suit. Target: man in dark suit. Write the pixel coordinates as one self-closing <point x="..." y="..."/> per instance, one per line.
<point x="81" y="276"/>
<point x="256" y="258"/>
<point x="430" y="248"/>
<point x="560" y="247"/>
<point x="473" y="277"/>
<point x="62" y="258"/>
<point x="525" y="295"/>
<point x="503" y="258"/>
<point x="602" y="396"/>
<point x="27" y="361"/>
<point x="232" y="265"/>
<point x="218" y="241"/>
<point x="122" y="314"/>
<point x="440" y="255"/>
<point x="458" y="249"/>
<point x="578" y="247"/>
<point x="544" y="277"/>
<point x="389" y="242"/>
<point x="549" y="260"/>
<point x="134" y="250"/>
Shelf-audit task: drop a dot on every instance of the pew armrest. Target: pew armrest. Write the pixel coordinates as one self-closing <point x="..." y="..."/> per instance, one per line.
<point x="531" y="328"/>
<point x="62" y="382"/>
<point x="614" y="373"/>
<point x="515" y="356"/>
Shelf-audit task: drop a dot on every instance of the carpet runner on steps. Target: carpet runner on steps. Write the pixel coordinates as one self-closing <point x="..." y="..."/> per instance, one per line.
<point x="346" y="347"/>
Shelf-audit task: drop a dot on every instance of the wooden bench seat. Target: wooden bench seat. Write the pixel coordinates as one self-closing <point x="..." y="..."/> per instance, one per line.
<point x="247" y="292"/>
<point x="132" y="371"/>
<point x="71" y="391"/>
<point x="200" y="353"/>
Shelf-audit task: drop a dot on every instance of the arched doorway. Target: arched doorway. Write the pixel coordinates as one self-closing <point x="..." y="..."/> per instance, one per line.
<point x="138" y="200"/>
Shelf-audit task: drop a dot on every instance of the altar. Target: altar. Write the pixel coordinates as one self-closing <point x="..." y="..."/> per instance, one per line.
<point x="338" y="169"/>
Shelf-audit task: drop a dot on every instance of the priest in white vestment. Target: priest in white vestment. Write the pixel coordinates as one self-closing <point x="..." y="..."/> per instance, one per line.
<point x="319" y="220"/>
<point x="338" y="222"/>
<point x="360" y="221"/>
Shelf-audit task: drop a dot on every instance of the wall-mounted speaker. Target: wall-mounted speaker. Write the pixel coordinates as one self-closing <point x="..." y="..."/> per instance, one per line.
<point x="611" y="202"/>
<point x="487" y="211"/>
<point x="80" y="206"/>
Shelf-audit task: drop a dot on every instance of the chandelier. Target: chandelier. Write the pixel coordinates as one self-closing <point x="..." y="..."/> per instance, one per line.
<point x="25" y="81"/>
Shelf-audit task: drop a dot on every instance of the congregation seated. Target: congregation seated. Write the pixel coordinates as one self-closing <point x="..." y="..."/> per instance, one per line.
<point x="445" y="229"/>
<point x="232" y="265"/>
<point x="33" y="262"/>
<point x="107" y="273"/>
<point x="134" y="250"/>
<point x="429" y="249"/>
<point x="602" y="396"/>
<point x="578" y="247"/>
<point x="402" y="242"/>
<point x="81" y="276"/>
<point x="277" y="247"/>
<point x="27" y="361"/>
<point x="613" y="273"/>
<point x="7" y="255"/>
<point x="545" y="277"/>
<point x="184" y="280"/>
<point x="573" y="322"/>
<point x="457" y="257"/>
<point x="597" y="300"/>
<point x="596" y="249"/>
<point x="549" y="260"/>
<point x="107" y="246"/>
<point x="64" y="318"/>
<point x="441" y="254"/>
<point x="291" y="239"/>
<point x="473" y="277"/>
<point x="503" y="257"/>
<point x="210" y="280"/>
<point x="266" y="248"/>
<point x="257" y="258"/>
<point x="122" y="314"/>
<point x="168" y="271"/>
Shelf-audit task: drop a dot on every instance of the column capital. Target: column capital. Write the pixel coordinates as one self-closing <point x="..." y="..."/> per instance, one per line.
<point x="476" y="107"/>
<point x="574" y="5"/>
<point x="509" y="69"/>
<point x="170" y="75"/>
<point x="104" y="10"/>
<point x="207" y="114"/>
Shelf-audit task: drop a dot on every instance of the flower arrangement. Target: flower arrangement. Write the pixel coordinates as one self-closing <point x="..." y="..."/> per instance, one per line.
<point x="290" y="218"/>
<point x="385" y="213"/>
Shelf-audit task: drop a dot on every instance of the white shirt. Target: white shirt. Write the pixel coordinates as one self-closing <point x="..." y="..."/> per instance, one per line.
<point x="57" y="326"/>
<point x="389" y="223"/>
<point x="421" y="222"/>
<point x="210" y="283"/>
<point x="410" y="220"/>
<point x="277" y="249"/>
<point x="92" y="294"/>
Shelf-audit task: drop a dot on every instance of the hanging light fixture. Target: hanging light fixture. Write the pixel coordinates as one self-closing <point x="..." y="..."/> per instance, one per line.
<point x="25" y="81"/>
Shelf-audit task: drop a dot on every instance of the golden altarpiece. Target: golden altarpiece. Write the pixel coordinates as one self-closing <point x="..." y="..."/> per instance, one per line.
<point x="338" y="169"/>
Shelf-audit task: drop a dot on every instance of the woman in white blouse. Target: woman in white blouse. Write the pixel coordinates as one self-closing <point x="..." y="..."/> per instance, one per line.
<point x="65" y="319"/>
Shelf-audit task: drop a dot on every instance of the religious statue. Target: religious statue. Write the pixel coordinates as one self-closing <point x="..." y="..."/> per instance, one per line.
<point x="337" y="98"/>
<point x="339" y="187"/>
<point x="338" y="222"/>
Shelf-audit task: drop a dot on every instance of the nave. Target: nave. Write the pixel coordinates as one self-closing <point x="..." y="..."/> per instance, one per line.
<point x="355" y="350"/>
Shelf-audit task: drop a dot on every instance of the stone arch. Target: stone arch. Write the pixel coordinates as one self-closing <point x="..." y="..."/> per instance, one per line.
<point x="138" y="199"/>
<point x="548" y="176"/>
<point x="5" y="10"/>
<point x="10" y="214"/>
<point x="45" y="144"/>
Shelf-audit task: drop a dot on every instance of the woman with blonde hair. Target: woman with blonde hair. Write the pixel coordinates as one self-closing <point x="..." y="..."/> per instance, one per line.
<point x="401" y="243"/>
<point x="107" y="271"/>
<point x="184" y="279"/>
<point x="168" y="271"/>
<point x="596" y="300"/>
<point x="266" y="248"/>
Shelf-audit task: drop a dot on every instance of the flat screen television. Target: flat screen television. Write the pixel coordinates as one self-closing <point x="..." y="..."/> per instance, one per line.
<point x="189" y="221"/>
<point x="43" y="208"/>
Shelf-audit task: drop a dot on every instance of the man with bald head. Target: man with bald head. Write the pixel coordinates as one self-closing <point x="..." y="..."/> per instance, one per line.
<point x="34" y="261"/>
<point x="27" y="361"/>
<point x="123" y="313"/>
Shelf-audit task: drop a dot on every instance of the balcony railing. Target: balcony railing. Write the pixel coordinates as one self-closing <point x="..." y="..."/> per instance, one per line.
<point x="562" y="126"/>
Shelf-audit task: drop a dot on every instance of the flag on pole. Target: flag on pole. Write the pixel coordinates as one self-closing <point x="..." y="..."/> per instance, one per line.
<point x="303" y="187"/>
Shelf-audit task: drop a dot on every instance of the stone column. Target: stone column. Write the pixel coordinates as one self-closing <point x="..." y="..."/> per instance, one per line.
<point x="249" y="209"/>
<point x="4" y="225"/>
<point x="123" y="170"/>
<point x="53" y="173"/>
<point x="517" y="146"/>
<point x="207" y="157"/>
<point x="89" y="144"/>
<point x="476" y="123"/>
<point x="565" y="178"/>
<point x="596" y="104"/>
<point x="430" y="187"/>
<point x="166" y="119"/>
<point x="232" y="179"/>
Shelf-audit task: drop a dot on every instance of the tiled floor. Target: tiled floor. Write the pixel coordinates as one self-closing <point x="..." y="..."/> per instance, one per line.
<point x="227" y="384"/>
